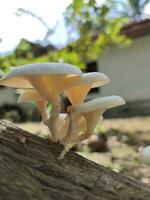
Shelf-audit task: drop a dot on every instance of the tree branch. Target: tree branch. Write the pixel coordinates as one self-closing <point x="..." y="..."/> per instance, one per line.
<point x="29" y="169"/>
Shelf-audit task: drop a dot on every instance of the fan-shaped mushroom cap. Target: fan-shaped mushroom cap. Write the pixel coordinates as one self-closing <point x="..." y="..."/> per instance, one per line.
<point x="100" y="103"/>
<point x="145" y="155"/>
<point x="78" y="93"/>
<point x="48" y="79"/>
<point x="18" y="76"/>
<point x="93" y="110"/>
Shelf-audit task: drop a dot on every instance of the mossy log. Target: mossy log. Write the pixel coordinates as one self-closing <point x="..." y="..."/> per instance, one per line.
<point x="29" y="169"/>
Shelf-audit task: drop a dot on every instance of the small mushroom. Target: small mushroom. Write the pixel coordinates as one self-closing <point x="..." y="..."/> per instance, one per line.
<point x="93" y="110"/>
<point x="77" y="94"/>
<point x="49" y="79"/>
<point x="145" y="155"/>
<point x="29" y="95"/>
<point x="85" y="117"/>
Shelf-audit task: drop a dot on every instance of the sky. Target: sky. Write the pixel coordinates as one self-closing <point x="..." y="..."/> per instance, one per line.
<point x="13" y="28"/>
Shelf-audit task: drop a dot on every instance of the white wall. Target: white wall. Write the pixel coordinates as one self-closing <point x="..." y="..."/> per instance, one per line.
<point x="7" y="96"/>
<point x="128" y="69"/>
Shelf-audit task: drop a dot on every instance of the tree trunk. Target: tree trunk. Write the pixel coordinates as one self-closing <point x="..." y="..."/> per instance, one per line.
<point x="29" y="169"/>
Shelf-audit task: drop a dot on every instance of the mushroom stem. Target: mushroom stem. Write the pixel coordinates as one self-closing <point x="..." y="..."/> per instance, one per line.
<point x="54" y="98"/>
<point x="71" y="137"/>
<point x="63" y="126"/>
<point x="71" y="129"/>
<point x="52" y="121"/>
<point x="42" y="107"/>
<point x="65" y="150"/>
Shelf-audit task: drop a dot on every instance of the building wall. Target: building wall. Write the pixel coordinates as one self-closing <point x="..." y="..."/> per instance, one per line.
<point x="128" y="69"/>
<point x="7" y="96"/>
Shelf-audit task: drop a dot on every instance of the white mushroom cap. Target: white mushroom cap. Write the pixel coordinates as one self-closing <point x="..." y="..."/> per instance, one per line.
<point x="100" y="103"/>
<point x="95" y="78"/>
<point x="17" y="77"/>
<point x="93" y="110"/>
<point x="78" y="93"/>
<point x="145" y="155"/>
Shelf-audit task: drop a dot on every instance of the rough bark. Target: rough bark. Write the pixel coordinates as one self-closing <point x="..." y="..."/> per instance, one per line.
<point x="31" y="170"/>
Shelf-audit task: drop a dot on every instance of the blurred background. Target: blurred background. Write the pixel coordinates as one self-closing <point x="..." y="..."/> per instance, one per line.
<point x="109" y="36"/>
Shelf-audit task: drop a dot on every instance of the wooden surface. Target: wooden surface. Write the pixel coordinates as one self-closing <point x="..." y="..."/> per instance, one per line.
<point x="31" y="171"/>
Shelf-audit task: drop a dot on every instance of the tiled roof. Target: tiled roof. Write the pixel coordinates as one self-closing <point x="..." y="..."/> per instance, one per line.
<point x="137" y="29"/>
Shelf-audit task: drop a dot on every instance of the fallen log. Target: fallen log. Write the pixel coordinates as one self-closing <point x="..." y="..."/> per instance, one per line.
<point x="29" y="169"/>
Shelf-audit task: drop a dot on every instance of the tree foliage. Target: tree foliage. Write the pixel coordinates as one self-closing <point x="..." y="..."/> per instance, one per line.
<point x="137" y="8"/>
<point x="95" y="30"/>
<point x="25" y="53"/>
<point x="132" y="9"/>
<point x="90" y="32"/>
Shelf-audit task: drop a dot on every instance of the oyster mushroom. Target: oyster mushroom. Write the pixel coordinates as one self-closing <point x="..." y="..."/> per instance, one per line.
<point x="49" y="79"/>
<point x="77" y="94"/>
<point x="93" y="110"/>
<point x="84" y="118"/>
<point x="145" y="155"/>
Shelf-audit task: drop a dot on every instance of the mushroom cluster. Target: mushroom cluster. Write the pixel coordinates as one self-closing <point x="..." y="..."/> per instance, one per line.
<point x="45" y="82"/>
